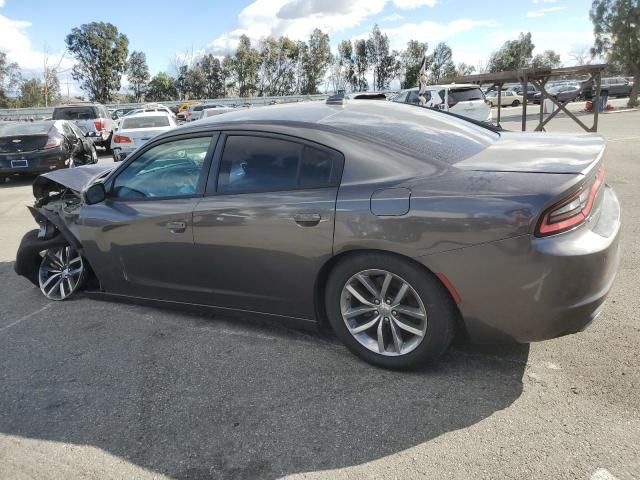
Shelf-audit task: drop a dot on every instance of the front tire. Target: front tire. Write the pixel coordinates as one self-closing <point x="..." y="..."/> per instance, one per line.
<point x="515" y="103"/>
<point x="389" y="311"/>
<point x="62" y="273"/>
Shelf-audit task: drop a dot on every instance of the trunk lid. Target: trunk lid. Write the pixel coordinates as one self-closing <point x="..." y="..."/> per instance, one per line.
<point x="539" y="153"/>
<point x="22" y="143"/>
<point x="140" y="136"/>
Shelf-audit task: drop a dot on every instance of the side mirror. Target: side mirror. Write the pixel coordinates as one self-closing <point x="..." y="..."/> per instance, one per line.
<point x="94" y="194"/>
<point x="90" y="134"/>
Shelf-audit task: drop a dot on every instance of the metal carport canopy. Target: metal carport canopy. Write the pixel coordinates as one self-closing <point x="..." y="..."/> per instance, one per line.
<point x="539" y="77"/>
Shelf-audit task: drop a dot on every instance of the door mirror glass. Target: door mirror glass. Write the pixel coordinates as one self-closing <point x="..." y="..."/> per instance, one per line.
<point x="94" y="194"/>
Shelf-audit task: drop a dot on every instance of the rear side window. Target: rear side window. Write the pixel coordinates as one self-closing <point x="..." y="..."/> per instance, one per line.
<point x="414" y="97"/>
<point x="253" y="164"/>
<point x="145" y="122"/>
<point x="466" y="95"/>
<point x="75" y="113"/>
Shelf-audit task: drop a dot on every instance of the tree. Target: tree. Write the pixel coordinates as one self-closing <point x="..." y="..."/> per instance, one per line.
<point x="347" y="64"/>
<point x="50" y="86"/>
<point x="31" y="94"/>
<point x="245" y="67"/>
<point x="411" y="61"/>
<point x="212" y="76"/>
<point x="581" y="56"/>
<point x="617" y="35"/>
<point x="315" y="61"/>
<point x="278" y="59"/>
<point x="227" y="75"/>
<point x="361" y="62"/>
<point x="138" y="74"/>
<point x="513" y="54"/>
<point x="181" y="82"/>
<point x="10" y="80"/>
<point x="161" y="87"/>
<point x="442" y="67"/>
<point x="547" y="59"/>
<point x="195" y="84"/>
<point x="463" y="69"/>
<point x="385" y="66"/>
<point x="101" y="55"/>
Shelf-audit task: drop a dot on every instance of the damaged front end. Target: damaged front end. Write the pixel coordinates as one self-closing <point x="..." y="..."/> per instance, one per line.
<point x="51" y="256"/>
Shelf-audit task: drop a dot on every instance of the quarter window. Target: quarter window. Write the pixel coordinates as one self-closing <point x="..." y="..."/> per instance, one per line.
<point x="252" y="164"/>
<point x="171" y="169"/>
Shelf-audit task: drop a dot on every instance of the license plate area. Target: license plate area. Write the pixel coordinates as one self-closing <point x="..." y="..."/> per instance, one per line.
<point x="19" y="164"/>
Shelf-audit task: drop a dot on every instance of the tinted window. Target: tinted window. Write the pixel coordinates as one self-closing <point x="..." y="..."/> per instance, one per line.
<point x="146" y="122"/>
<point x="258" y="164"/>
<point x="66" y="130"/>
<point x="24" y="128"/>
<point x="74" y="113"/>
<point x="466" y="95"/>
<point x="413" y="97"/>
<point x="316" y="168"/>
<point x="170" y="169"/>
<point x="401" y="97"/>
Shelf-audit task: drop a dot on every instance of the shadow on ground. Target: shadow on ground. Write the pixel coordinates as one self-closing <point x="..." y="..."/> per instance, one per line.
<point x="16" y="181"/>
<point x="201" y="397"/>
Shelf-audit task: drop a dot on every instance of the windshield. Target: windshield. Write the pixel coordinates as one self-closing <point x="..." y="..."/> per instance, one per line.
<point x="466" y="95"/>
<point x="22" y="128"/>
<point x="145" y="122"/>
<point x="74" y="113"/>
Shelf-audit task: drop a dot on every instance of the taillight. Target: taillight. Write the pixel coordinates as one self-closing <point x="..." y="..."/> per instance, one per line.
<point x="53" y="140"/>
<point x="572" y="211"/>
<point x="121" y="139"/>
<point x="99" y="125"/>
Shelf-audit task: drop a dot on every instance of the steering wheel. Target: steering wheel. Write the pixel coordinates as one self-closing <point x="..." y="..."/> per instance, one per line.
<point x="184" y="183"/>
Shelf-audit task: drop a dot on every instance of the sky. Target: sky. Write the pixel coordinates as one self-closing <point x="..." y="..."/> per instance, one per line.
<point x="31" y="30"/>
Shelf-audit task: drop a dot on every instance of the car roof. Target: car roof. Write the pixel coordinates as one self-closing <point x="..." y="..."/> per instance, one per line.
<point x="156" y="113"/>
<point x="440" y="87"/>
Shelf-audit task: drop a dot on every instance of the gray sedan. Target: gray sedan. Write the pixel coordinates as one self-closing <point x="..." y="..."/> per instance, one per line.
<point x="396" y="226"/>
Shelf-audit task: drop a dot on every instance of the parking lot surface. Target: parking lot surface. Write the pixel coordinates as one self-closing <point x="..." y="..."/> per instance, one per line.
<point x="93" y="389"/>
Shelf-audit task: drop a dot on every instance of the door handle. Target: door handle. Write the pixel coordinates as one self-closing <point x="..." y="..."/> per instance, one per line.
<point x="177" y="227"/>
<point x="307" y="219"/>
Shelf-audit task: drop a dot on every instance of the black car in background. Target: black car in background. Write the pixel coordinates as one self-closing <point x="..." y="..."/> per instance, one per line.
<point x="531" y="91"/>
<point x="39" y="147"/>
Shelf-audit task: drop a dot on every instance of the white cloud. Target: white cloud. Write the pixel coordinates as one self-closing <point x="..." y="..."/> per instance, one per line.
<point x="1" y="3"/>
<point x="545" y="1"/>
<point x="411" y="4"/>
<point x="297" y="18"/>
<point x="544" y="11"/>
<point x="392" y="18"/>
<point x="431" y="32"/>
<point x="14" y="40"/>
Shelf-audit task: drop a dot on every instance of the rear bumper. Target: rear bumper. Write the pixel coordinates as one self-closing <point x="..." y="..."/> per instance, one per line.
<point x="528" y="289"/>
<point x="36" y="162"/>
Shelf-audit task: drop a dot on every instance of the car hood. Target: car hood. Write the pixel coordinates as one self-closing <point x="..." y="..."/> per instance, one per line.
<point x="75" y="179"/>
<point x="538" y="153"/>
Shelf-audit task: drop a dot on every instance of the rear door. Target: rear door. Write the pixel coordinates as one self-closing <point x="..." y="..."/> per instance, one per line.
<point x="265" y="227"/>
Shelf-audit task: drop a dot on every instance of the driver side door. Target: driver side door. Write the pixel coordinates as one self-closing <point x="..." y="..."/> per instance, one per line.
<point x="139" y="240"/>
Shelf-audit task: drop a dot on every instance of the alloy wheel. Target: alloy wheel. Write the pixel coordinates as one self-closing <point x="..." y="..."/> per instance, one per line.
<point x="383" y="312"/>
<point x="61" y="272"/>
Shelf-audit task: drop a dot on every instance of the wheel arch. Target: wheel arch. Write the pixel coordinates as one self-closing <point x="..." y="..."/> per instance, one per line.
<point x="325" y="271"/>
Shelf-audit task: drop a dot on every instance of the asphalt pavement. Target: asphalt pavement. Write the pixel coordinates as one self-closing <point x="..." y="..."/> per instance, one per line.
<point x="94" y="389"/>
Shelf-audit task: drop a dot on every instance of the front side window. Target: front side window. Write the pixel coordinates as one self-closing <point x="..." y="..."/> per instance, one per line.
<point x="171" y="169"/>
<point x="252" y="164"/>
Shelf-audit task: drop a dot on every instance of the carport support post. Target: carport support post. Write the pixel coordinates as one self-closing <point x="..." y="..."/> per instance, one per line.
<point x="525" y="82"/>
<point x="543" y="83"/>
<point x="595" y="106"/>
<point x="499" y="101"/>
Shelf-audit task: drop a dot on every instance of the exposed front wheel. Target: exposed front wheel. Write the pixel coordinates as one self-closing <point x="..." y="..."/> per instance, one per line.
<point x="389" y="311"/>
<point x="62" y="272"/>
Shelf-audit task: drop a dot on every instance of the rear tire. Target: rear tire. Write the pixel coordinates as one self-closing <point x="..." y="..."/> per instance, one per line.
<point x="107" y="144"/>
<point x="410" y="333"/>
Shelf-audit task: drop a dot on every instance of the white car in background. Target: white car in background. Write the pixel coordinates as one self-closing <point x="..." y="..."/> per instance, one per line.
<point x="212" y="112"/>
<point x="507" y="98"/>
<point x="137" y="129"/>
<point x="466" y="100"/>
